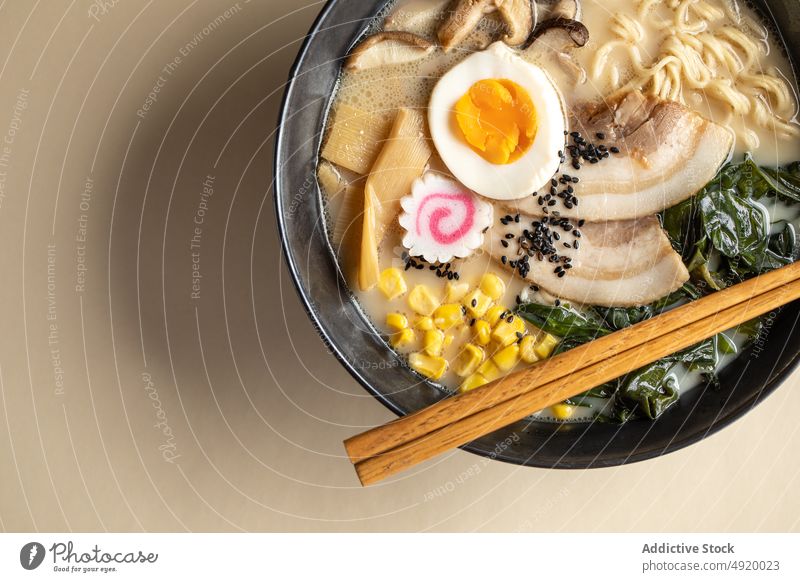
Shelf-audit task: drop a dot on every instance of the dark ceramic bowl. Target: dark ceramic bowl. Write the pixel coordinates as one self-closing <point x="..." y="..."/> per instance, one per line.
<point x="359" y="347"/>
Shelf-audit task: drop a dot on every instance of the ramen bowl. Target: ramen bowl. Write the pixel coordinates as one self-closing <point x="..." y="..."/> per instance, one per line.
<point x="353" y="339"/>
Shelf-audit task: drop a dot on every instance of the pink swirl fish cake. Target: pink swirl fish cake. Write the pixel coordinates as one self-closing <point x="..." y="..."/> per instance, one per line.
<point x="443" y="219"/>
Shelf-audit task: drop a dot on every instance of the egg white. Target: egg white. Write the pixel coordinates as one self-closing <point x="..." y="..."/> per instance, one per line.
<point x="537" y="165"/>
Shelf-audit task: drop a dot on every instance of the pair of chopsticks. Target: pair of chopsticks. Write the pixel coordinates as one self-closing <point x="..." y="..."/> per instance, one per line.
<point x="458" y="420"/>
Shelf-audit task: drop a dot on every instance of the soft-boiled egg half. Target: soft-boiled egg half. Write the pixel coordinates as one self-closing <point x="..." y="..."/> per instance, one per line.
<point x="498" y="123"/>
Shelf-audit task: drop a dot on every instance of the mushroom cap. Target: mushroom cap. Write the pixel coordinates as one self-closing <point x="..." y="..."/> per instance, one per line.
<point x="464" y="15"/>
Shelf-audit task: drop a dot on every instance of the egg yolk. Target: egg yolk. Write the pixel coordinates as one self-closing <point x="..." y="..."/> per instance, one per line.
<point x="497" y="119"/>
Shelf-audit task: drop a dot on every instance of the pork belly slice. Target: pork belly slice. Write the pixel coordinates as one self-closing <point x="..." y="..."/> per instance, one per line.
<point x="667" y="153"/>
<point x="617" y="264"/>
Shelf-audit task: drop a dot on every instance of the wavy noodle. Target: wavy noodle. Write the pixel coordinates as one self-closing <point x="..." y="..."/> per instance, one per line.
<point x="708" y="47"/>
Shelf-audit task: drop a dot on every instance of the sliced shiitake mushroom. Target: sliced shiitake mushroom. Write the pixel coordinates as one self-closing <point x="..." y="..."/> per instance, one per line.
<point x="464" y="15"/>
<point x="563" y="18"/>
<point x="388" y="48"/>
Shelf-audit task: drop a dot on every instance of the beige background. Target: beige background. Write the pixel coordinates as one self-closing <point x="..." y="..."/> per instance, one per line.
<point x="102" y="342"/>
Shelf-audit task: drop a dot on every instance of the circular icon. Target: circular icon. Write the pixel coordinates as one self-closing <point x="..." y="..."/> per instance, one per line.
<point x="31" y="555"/>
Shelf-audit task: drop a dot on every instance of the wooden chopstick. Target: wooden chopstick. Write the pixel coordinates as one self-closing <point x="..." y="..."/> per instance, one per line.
<point x="455" y="421"/>
<point x="408" y="428"/>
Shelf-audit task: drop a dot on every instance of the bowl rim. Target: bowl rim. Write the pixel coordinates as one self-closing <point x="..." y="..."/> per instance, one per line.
<point x="776" y="377"/>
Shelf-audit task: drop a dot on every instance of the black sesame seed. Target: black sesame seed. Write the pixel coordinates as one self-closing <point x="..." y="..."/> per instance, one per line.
<point x="510" y="319"/>
<point x="450" y="276"/>
<point x="561" y="274"/>
<point x="600" y="135"/>
<point x="472" y="322"/>
<point x="557" y="303"/>
<point x="516" y="218"/>
<point x="474" y="302"/>
<point x="576" y="245"/>
<point x="581" y="222"/>
<point x="614" y="149"/>
<point x="420" y="267"/>
<point x="504" y="243"/>
<point x="509" y="236"/>
<point x="504" y="259"/>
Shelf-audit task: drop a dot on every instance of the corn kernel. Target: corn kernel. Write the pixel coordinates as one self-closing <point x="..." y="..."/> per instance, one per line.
<point x="422" y="301"/>
<point x="468" y="360"/>
<point x="476" y="303"/>
<point x="505" y="332"/>
<point x="424" y="323"/>
<point x="448" y="315"/>
<point x="489" y="371"/>
<point x="392" y="283"/>
<point x="493" y="286"/>
<point x="402" y="338"/>
<point x="472" y="382"/>
<point x="483" y="331"/>
<point x="431" y="366"/>
<point x="397" y="321"/>
<point x="562" y="411"/>
<point x="507" y="358"/>
<point x="448" y="339"/>
<point x="527" y="349"/>
<point x="432" y="342"/>
<point x="493" y="315"/>
<point x="545" y="345"/>
<point x="454" y="292"/>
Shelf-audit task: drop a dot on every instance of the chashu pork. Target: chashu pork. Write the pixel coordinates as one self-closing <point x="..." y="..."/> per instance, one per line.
<point x="617" y="264"/>
<point x="667" y="153"/>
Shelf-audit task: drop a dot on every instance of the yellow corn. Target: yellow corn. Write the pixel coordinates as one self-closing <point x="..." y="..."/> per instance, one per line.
<point x="476" y="303"/>
<point x="431" y="366"/>
<point x="493" y="315"/>
<point x="493" y="286"/>
<point x="507" y="358"/>
<point x="483" y="331"/>
<point x="403" y="338"/>
<point x="468" y="360"/>
<point x="489" y="371"/>
<point x="472" y="382"/>
<point x="545" y="345"/>
<point x="397" y="321"/>
<point x="424" y="323"/>
<point x="505" y="332"/>
<point x="454" y="292"/>
<point x="422" y="301"/>
<point x="562" y="411"/>
<point x="448" y="315"/>
<point x="527" y="349"/>
<point x="392" y="283"/>
<point x="432" y="342"/>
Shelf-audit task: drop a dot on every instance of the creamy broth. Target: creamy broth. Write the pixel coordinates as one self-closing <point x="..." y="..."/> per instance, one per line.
<point x="383" y="90"/>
